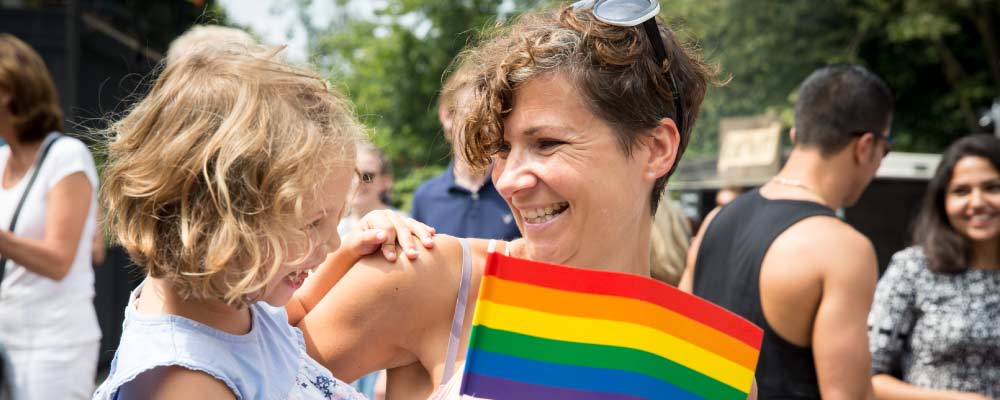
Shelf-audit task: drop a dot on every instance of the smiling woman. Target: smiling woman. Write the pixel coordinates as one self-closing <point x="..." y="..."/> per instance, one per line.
<point x="580" y="120"/>
<point x="545" y="169"/>
<point x="935" y="322"/>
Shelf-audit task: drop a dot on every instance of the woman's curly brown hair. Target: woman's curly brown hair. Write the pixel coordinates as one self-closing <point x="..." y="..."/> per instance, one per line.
<point x="207" y="175"/>
<point x="613" y="68"/>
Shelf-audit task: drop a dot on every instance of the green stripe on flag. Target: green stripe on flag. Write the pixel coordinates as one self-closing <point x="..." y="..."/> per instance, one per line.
<point x="599" y="356"/>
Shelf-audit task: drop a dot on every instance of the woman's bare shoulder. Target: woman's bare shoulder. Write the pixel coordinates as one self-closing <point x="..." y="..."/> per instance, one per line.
<point x="430" y="281"/>
<point x="443" y="258"/>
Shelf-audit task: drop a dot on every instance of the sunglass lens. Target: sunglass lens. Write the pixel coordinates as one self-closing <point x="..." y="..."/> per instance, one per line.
<point x="623" y="10"/>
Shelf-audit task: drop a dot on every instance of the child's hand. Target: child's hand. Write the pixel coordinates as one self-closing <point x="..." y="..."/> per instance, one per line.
<point x="378" y="230"/>
<point x="383" y="229"/>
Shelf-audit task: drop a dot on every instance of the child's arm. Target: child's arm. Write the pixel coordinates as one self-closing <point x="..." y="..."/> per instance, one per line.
<point x="377" y="230"/>
<point x="175" y="382"/>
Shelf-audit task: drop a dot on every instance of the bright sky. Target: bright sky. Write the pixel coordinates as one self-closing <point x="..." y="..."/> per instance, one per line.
<point x="276" y="21"/>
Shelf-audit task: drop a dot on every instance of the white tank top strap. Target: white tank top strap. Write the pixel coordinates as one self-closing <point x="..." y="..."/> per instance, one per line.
<point x="458" y="319"/>
<point x="493" y="247"/>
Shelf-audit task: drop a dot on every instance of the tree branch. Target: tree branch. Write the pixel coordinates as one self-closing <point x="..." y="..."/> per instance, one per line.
<point x="955" y="74"/>
<point x="983" y="20"/>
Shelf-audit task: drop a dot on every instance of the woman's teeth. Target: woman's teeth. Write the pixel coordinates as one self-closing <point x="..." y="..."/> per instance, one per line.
<point x="545" y="214"/>
<point x="981" y="219"/>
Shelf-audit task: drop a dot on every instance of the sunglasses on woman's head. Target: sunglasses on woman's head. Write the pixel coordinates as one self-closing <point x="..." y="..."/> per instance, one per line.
<point x="630" y="13"/>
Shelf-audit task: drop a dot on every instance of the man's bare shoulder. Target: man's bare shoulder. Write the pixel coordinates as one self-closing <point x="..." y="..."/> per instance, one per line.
<point x="828" y="244"/>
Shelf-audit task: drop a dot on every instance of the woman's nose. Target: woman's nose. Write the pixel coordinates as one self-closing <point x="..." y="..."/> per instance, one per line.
<point x="512" y="175"/>
<point x="977" y="198"/>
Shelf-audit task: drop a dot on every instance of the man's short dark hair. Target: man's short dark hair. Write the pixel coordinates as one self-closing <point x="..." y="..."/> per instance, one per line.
<point x="839" y="102"/>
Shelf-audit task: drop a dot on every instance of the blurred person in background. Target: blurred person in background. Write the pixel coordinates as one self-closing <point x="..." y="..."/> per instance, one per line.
<point x="935" y="324"/>
<point x="202" y="37"/>
<point x="373" y="184"/>
<point x="668" y="242"/>
<point x="461" y="201"/>
<point x="726" y="195"/>
<point x="47" y="318"/>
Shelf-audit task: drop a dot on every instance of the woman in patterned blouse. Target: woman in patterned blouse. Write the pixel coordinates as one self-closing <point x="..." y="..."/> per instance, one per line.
<point x="935" y="323"/>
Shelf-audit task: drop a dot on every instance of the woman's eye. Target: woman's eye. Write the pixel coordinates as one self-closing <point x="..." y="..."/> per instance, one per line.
<point x="960" y="191"/>
<point x="502" y="150"/>
<point x="546" y="144"/>
<point x="993" y="187"/>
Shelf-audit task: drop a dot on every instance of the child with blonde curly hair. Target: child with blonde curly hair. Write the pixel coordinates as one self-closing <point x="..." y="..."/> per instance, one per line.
<point x="226" y="183"/>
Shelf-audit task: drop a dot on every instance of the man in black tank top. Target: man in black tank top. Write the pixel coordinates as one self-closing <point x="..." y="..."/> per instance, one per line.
<point x="779" y="257"/>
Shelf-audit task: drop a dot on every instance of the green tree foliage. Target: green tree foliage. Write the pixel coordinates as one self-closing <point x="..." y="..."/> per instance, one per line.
<point x="392" y="66"/>
<point x="941" y="58"/>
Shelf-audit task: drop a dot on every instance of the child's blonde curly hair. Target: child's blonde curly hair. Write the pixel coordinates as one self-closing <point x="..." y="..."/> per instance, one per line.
<point x="207" y="175"/>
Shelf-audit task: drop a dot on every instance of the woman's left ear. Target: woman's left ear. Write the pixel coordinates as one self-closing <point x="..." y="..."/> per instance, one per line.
<point x="662" y="143"/>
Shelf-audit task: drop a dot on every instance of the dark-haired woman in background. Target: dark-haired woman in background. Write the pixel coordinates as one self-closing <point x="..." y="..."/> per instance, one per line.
<point x="935" y="323"/>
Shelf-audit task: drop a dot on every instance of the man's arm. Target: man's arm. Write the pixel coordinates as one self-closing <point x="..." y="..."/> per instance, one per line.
<point x="687" y="278"/>
<point x="840" y="330"/>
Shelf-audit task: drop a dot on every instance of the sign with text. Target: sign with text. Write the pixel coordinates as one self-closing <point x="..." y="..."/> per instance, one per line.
<point x="749" y="144"/>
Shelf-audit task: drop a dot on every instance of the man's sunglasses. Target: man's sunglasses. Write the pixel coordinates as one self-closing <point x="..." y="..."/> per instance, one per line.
<point x="367" y="177"/>
<point x="630" y="13"/>
<point x="889" y="141"/>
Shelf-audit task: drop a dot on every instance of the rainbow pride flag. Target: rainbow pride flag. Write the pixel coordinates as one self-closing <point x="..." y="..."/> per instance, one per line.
<point x="543" y="331"/>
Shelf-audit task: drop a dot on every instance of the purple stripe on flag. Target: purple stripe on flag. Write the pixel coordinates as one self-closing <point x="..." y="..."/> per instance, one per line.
<point x="498" y="388"/>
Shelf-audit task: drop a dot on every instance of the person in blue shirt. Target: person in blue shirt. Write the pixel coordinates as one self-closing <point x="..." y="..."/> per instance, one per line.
<point x="461" y="201"/>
